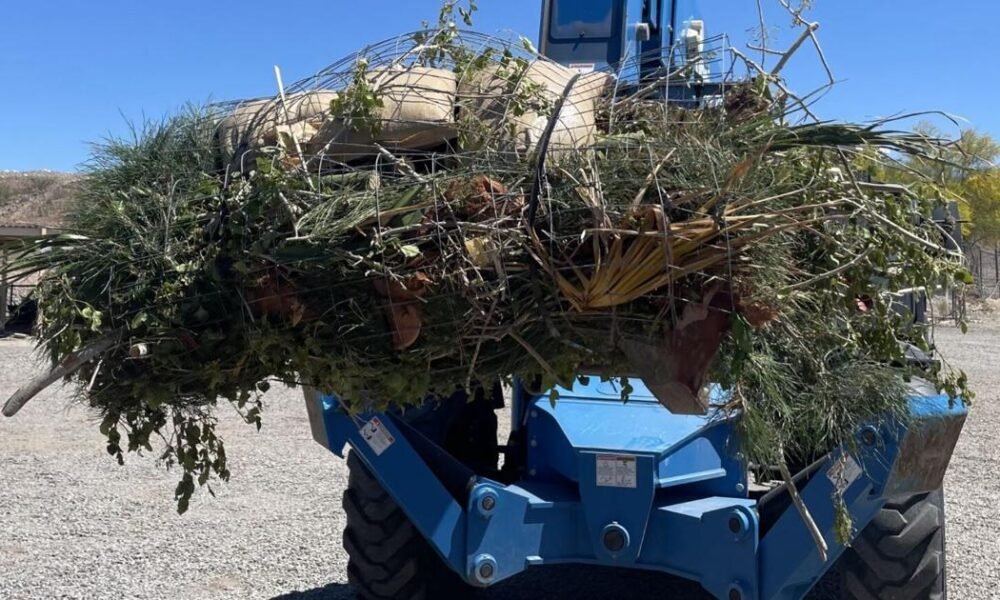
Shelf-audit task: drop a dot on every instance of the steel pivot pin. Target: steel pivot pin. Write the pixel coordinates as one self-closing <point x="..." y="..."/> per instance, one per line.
<point x="484" y="569"/>
<point x="615" y="538"/>
<point x="485" y="501"/>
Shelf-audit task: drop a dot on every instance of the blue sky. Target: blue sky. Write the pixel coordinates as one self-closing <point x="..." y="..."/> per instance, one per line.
<point x="75" y="71"/>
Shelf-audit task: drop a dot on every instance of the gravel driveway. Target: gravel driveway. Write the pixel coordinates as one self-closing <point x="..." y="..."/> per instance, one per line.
<point x="75" y="525"/>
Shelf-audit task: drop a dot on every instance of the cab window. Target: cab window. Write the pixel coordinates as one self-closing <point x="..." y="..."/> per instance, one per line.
<point x="573" y="20"/>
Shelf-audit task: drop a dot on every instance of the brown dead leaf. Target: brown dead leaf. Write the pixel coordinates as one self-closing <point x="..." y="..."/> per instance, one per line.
<point x="483" y="197"/>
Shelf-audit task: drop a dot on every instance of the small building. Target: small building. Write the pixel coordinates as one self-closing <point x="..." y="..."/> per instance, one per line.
<point x="10" y="236"/>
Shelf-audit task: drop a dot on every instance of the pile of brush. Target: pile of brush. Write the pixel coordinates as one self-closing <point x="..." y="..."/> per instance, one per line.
<point x="449" y="210"/>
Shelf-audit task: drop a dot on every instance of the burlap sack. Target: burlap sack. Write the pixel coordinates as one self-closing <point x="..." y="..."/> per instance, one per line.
<point x="418" y="112"/>
<point x="488" y="96"/>
<point x="419" y="107"/>
<point x="259" y="123"/>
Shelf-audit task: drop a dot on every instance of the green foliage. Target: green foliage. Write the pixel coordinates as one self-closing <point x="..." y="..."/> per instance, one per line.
<point x="843" y="525"/>
<point x="954" y="161"/>
<point x="360" y="105"/>
<point x="525" y="95"/>
<point x="963" y="170"/>
<point x="438" y="43"/>
<point x="231" y="282"/>
<point x="980" y="204"/>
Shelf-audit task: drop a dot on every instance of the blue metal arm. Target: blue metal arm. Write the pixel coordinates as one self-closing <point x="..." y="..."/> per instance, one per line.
<point x="896" y="459"/>
<point x="385" y="449"/>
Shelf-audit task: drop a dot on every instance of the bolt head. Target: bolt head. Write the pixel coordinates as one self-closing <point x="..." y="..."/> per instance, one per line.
<point x="486" y="570"/>
<point x="734" y="594"/>
<point x="869" y="437"/>
<point x="484" y="501"/>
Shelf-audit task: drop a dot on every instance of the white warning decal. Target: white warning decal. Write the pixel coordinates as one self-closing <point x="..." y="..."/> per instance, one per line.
<point x="377" y="436"/>
<point x="844" y="472"/>
<point x="582" y="68"/>
<point x="616" y="470"/>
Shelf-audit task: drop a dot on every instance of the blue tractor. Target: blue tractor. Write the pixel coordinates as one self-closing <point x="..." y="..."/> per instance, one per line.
<point x="591" y="480"/>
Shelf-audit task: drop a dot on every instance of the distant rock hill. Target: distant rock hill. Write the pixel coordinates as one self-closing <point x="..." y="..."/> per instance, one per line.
<point x="35" y="198"/>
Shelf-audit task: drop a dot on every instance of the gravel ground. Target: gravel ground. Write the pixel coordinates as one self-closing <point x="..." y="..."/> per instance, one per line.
<point x="75" y="525"/>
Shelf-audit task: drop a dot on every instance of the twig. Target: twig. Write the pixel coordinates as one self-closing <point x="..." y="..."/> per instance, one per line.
<point x="288" y="122"/>
<point x="765" y="50"/>
<point x="93" y="378"/>
<point x="803" y="510"/>
<point x="402" y="164"/>
<point x="810" y="28"/>
<point x="796" y="14"/>
<point x="763" y="32"/>
<point x="822" y="56"/>
<point x="534" y="354"/>
<point x="291" y="213"/>
<point x="69" y="365"/>
<point x="650" y="178"/>
<point x="829" y="274"/>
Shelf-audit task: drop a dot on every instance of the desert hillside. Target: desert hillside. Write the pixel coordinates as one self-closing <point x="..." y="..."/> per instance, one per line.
<point x="36" y="198"/>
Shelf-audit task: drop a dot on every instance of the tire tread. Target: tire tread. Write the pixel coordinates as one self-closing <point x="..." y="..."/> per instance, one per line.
<point x="388" y="559"/>
<point x="901" y="554"/>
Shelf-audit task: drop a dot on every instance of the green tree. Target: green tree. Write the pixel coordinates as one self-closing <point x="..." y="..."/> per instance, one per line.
<point x="972" y="152"/>
<point x="980" y="205"/>
<point x="965" y="171"/>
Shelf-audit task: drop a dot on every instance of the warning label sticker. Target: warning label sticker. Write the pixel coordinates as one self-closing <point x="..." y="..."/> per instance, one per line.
<point x="616" y="470"/>
<point x="377" y="436"/>
<point x="844" y="472"/>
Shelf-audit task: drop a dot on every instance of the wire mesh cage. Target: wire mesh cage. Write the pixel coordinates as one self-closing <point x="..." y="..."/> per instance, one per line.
<point x="422" y="91"/>
<point x="444" y="210"/>
<point x="445" y="207"/>
<point x="480" y="168"/>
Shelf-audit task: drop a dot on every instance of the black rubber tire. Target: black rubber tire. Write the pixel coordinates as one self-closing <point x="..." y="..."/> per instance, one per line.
<point x="901" y="554"/>
<point x="388" y="558"/>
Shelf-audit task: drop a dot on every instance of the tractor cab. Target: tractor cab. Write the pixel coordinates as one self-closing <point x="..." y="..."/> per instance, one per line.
<point x="637" y="40"/>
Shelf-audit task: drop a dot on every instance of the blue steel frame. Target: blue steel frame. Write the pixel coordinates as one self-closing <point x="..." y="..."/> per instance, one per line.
<point x="686" y="511"/>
